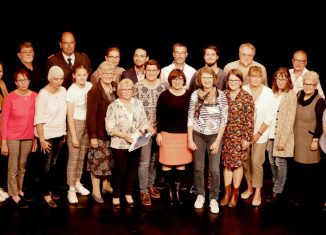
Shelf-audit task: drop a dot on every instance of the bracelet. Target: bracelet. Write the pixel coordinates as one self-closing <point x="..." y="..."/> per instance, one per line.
<point x="260" y="133"/>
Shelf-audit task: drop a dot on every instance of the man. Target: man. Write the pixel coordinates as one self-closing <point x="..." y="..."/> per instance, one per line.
<point x="211" y="55"/>
<point x="137" y="73"/>
<point x="247" y="53"/>
<point x="67" y="57"/>
<point x="299" y="62"/>
<point x="180" y="54"/>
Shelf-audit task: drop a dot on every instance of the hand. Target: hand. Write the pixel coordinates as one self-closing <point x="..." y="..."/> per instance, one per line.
<point x="4" y="149"/>
<point x="159" y="139"/>
<point x="34" y="146"/>
<point x="245" y="145"/>
<point x="45" y="146"/>
<point x="255" y="138"/>
<point x="215" y="146"/>
<point x="191" y="145"/>
<point x="128" y="138"/>
<point x="280" y="147"/>
<point x="94" y="143"/>
<point x="75" y="142"/>
<point x="313" y="146"/>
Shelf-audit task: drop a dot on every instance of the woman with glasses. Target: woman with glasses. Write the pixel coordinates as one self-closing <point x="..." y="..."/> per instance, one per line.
<point x="281" y="137"/>
<point x="207" y="119"/>
<point x="307" y="131"/>
<point x="237" y="136"/>
<point x="17" y="133"/>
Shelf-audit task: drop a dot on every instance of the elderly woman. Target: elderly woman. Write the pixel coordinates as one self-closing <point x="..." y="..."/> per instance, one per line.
<point x="125" y="121"/>
<point x="99" y="97"/>
<point x="18" y="133"/>
<point x="281" y="137"/>
<point x="264" y="105"/>
<point x="237" y="136"/>
<point x="207" y="119"/>
<point x="307" y="130"/>
<point x="50" y="121"/>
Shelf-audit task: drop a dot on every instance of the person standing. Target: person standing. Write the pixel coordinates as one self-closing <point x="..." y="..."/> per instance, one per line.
<point x="137" y="72"/>
<point x="17" y="134"/>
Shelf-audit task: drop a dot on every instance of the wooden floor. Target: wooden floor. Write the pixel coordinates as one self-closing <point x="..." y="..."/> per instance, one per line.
<point x="90" y="218"/>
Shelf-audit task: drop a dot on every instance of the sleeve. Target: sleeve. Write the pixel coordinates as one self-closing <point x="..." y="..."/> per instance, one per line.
<point x="248" y="125"/>
<point x="224" y="108"/>
<point x="6" y="109"/>
<point x="191" y="110"/>
<point x="110" y="119"/>
<point x="159" y="113"/>
<point x="319" y="109"/>
<point x="91" y="112"/>
<point x="40" y="108"/>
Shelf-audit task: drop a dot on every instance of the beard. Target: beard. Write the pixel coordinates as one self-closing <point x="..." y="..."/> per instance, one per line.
<point x="210" y="64"/>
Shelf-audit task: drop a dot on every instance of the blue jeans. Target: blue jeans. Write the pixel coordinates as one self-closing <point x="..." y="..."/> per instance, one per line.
<point x="147" y="168"/>
<point x="204" y="143"/>
<point x="279" y="169"/>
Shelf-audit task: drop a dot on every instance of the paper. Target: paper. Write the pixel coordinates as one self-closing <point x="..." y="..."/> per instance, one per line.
<point x="140" y="141"/>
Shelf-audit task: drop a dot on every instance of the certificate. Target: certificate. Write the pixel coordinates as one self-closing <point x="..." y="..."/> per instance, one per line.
<point x="140" y="141"/>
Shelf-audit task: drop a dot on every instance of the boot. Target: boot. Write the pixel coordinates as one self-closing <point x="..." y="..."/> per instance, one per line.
<point x="169" y="184"/>
<point x="178" y="182"/>
<point x="234" y="198"/>
<point x="227" y="194"/>
<point x="177" y="192"/>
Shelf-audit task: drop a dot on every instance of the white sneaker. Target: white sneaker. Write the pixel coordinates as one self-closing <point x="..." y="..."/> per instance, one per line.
<point x="72" y="197"/>
<point x="199" y="203"/>
<point x="214" y="206"/>
<point x="2" y="199"/>
<point x="4" y="194"/>
<point x="81" y="189"/>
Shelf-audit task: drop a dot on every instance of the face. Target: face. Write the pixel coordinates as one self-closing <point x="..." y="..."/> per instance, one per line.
<point x="1" y="71"/>
<point x="22" y="82"/>
<point x="180" y="54"/>
<point x="281" y="82"/>
<point x="255" y="80"/>
<point x="140" y="57"/>
<point x="207" y="80"/>
<point x="56" y="82"/>
<point x="210" y="57"/>
<point x="299" y="61"/>
<point x="151" y="72"/>
<point x="68" y="44"/>
<point x="126" y="92"/>
<point x="26" y="55"/>
<point x="106" y="75"/>
<point x="309" y="87"/>
<point x="80" y="76"/>
<point x="234" y="83"/>
<point x="246" y="56"/>
<point x="177" y="83"/>
<point x="113" y="57"/>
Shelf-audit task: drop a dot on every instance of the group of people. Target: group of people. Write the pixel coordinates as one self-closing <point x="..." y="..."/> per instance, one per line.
<point x="226" y="116"/>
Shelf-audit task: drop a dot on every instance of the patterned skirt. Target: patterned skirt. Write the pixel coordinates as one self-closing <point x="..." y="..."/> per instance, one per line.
<point x="100" y="160"/>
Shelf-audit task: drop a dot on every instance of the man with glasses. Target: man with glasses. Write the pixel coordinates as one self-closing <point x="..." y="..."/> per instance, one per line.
<point x="67" y="57"/>
<point x="299" y="62"/>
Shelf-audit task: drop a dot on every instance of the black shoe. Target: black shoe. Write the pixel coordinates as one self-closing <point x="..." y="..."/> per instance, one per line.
<point x="20" y="204"/>
<point x="274" y="198"/>
<point x="50" y="203"/>
<point x="26" y="198"/>
<point x="55" y="196"/>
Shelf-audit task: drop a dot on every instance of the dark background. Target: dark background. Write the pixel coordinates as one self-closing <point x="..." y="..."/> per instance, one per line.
<point x="276" y="30"/>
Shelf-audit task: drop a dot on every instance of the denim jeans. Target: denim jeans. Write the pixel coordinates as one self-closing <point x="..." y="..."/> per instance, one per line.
<point x="278" y="168"/>
<point x="146" y="168"/>
<point x="204" y="143"/>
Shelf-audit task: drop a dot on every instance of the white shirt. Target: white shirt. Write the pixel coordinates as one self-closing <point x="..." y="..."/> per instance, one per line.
<point x="187" y="70"/>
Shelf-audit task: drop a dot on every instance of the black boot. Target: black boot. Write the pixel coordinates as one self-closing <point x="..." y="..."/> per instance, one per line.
<point x="178" y="182"/>
<point x="169" y="184"/>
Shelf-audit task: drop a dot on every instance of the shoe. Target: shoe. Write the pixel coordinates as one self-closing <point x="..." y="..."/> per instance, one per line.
<point x="116" y="202"/>
<point x="50" y="203"/>
<point x="106" y="191"/>
<point x="199" y="203"/>
<point x="55" y="196"/>
<point x="274" y="198"/>
<point x="72" y="197"/>
<point x="256" y="202"/>
<point x="154" y="192"/>
<point x="246" y="194"/>
<point x="4" y="194"/>
<point x="130" y="201"/>
<point x="27" y="198"/>
<point x="97" y="199"/>
<point x="2" y="199"/>
<point x="20" y="204"/>
<point x="81" y="189"/>
<point x="145" y="199"/>
<point x="214" y="206"/>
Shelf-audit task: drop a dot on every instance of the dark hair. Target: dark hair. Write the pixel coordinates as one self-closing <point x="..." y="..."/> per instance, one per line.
<point x="283" y="72"/>
<point x="153" y="62"/>
<point x="176" y="73"/>
<point x="205" y="70"/>
<point x="24" y="72"/>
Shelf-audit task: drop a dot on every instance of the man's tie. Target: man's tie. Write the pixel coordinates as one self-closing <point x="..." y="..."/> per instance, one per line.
<point x="69" y="63"/>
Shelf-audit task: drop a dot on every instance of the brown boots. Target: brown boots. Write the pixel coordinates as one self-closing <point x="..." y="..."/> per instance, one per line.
<point x="231" y="196"/>
<point x="227" y="195"/>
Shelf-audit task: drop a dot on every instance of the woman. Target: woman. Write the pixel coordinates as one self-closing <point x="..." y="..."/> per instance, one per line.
<point x="264" y="104"/>
<point x="322" y="143"/>
<point x="125" y="121"/>
<point x="281" y="137"/>
<point x="148" y="91"/>
<point x="237" y="136"/>
<point x="207" y="118"/>
<point x="171" y="113"/>
<point x="307" y="130"/>
<point x="50" y="121"/>
<point x="3" y="93"/>
<point x="77" y="138"/>
<point x="18" y="134"/>
<point x="99" y="97"/>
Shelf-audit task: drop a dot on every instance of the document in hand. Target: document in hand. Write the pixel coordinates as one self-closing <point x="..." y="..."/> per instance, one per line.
<point x="140" y="141"/>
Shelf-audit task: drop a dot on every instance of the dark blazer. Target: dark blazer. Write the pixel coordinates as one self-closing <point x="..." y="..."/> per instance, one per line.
<point x="130" y="73"/>
<point x="58" y="59"/>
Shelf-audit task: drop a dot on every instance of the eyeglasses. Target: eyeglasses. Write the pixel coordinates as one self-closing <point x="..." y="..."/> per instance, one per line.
<point x="178" y="79"/>
<point x="113" y="57"/>
<point x="282" y="79"/>
<point x="126" y="89"/>
<point x="299" y="61"/>
<point x="234" y="81"/>
<point x="22" y="80"/>
<point x="151" y="71"/>
<point x="247" y="55"/>
<point x="309" y="85"/>
<point x="68" y="43"/>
